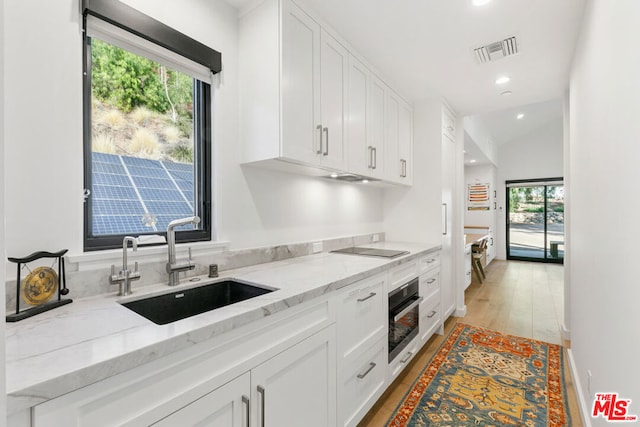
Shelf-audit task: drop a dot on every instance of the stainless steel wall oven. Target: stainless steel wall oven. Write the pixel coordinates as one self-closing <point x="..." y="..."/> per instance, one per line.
<point x="404" y="317"/>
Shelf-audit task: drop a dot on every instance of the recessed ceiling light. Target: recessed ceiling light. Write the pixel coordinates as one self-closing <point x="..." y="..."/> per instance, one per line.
<point x="480" y="2"/>
<point x="519" y="116"/>
<point x="506" y="92"/>
<point x="472" y="161"/>
<point x="502" y="80"/>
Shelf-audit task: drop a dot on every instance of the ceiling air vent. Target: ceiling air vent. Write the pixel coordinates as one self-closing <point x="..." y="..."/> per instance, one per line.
<point x="496" y="50"/>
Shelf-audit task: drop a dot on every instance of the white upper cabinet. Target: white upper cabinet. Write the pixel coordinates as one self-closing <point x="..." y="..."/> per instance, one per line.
<point x="392" y="168"/>
<point x="405" y="144"/>
<point x="293" y="88"/>
<point x="334" y="60"/>
<point x="300" y="86"/>
<point x="359" y="112"/>
<point x="307" y="101"/>
<point x="377" y="126"/>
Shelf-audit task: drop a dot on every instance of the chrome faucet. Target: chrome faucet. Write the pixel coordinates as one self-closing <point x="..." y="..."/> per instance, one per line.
<point x="125" y="276"/>
<point x="173" y="267"/>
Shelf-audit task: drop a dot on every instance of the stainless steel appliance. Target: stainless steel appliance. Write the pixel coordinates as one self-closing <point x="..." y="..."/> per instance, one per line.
<point x="359" y="250"/>
<point x="404" y="317"/>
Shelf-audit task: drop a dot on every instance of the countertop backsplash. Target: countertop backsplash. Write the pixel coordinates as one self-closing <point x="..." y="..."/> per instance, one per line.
<point x="89" y="283"/>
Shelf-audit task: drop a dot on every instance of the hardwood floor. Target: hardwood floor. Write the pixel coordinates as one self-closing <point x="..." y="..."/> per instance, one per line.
<point x="518" y="298"/>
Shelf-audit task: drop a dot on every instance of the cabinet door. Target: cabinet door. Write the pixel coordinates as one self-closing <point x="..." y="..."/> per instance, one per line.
<point x="405" y="144"/>
<point x="362" y="315"/>
<point x="376" y="146"/>
<point x="333" y="88"/>
<point x="300" y="83"/>
<point x="298" y="386"/>
<point x="358" y="117"/>
<point x="447" y="277"/>
<point x="392" y="169"/>
<point x="227" y="406"/>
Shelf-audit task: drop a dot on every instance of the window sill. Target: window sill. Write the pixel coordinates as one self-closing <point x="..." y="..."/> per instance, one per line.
<point x="144" y="255"/>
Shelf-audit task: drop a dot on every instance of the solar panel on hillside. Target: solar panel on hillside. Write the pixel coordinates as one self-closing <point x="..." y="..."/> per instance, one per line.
<point x="125" y="188"/>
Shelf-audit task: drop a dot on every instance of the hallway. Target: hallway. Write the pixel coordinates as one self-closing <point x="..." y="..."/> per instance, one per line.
<point x="519" y="298"/>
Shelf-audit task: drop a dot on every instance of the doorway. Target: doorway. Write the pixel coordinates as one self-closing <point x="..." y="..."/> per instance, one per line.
<point x="535" y="223"/>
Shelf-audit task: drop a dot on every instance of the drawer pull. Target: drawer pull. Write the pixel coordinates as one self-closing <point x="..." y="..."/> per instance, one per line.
<point x="371" y="295"/>
<point x="365" y="373"/>
<point x="429" y="261"/>
<point x="407" y="358"/>
<point x="430" y="315"/>
<point x="431" y="281"/>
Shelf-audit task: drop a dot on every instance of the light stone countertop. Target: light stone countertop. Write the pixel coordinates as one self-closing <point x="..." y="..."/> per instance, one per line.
<point x="94" y="338"/>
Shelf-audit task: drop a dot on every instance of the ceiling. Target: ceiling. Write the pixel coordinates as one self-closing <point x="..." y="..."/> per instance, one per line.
<point x="424" y="49"/>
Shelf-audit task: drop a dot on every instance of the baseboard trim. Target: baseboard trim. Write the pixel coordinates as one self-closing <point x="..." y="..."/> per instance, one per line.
<point x="461" y="311"/>
<point x="566" y="332"/>
<point x="585" y="412"/>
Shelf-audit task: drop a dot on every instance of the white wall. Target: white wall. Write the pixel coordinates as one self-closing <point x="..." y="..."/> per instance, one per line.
<point x="44" y="207"/>
<point x="604" y="150"/>
<point x="474" y="127"/>
<point x="536" y="155"/>
<point x="481" y="174"/>
<point x="3" y="393"/>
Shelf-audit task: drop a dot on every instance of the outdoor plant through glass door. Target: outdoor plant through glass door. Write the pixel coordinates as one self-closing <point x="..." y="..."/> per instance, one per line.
<point x="535" y="226"/>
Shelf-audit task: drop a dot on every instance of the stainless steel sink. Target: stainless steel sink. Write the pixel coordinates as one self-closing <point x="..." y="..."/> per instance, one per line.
<point x="167" y="308"/>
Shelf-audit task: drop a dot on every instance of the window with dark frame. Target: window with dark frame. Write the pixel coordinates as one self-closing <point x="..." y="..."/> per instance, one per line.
<point x="147" y="129"/>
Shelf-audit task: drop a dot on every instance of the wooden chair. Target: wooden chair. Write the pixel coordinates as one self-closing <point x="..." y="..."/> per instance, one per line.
<point x="477" y="253"/>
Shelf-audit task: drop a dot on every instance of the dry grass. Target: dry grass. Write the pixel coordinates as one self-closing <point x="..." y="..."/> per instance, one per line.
<point x="145" y="144"/>
<point x="141" y="115"/>
<point x="103" y="143"/>
<point x="172" y="134"/>
<point x="113" y="118"/>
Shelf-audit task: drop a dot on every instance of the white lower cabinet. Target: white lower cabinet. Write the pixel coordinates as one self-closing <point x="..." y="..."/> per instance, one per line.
<point x="362" y="350"/>
<point x="361" y="315"/>
<point x="297" y="387"/>
<point x="362" y="382"/>
<point x="227" y="406"/>
<point x="291" y="359"/>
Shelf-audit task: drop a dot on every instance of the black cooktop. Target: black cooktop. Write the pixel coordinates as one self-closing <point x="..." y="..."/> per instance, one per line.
<point x="358" y="250"/>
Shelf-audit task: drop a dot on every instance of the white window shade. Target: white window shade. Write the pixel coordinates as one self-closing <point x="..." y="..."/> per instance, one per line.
<point x="116" y="36"/>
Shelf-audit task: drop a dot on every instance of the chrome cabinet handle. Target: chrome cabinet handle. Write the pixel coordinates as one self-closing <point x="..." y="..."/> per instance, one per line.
<point x="370" y="165"/>
<point x="407" y="358"/>
<point x="375" y="158"/>
<point x="431" y="281"/>
<point x="403" y="168"/>
<point x="371" y="295"/>
<point x="326" y="142"/>
<point x="365" y="373"/>
<point x="430" y="315"/>
<point x="261" y="392"/>
<point x="245" y="401"/>
<point x="450" y="128"/>
<point x="408" y="309"/>
<point x="319" y="150"/>
<point x="445" y="232"/>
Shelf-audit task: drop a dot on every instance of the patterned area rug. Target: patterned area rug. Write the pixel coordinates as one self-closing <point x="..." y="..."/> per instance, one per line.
<point x="485" y="378"/>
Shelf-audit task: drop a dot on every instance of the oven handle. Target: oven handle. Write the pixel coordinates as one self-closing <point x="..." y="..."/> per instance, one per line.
<point x="408" y="309"/>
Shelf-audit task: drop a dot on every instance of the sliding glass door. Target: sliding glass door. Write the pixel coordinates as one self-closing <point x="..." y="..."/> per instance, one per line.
<point x="535" y="226"/>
